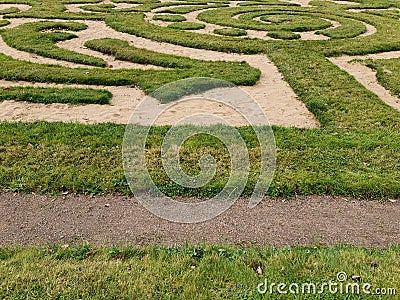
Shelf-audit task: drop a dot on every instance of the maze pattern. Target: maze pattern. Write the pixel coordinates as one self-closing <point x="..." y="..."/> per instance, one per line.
<point x="128" y="47"/>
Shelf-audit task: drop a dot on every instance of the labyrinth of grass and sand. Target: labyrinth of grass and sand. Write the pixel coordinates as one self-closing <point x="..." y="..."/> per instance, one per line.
<point x="355" y="151"/>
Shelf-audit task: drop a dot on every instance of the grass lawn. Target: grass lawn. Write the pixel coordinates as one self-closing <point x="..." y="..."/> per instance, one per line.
<point x="194" y="272"/>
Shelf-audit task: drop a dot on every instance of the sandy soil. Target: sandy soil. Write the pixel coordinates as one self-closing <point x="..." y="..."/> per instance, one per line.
<point x="367" y="76"/>
<point x="304" y="3"/>
<point x="272" y="93"/>
<point x="38" y="220"/>
<point x="76" y="7"/>
<point x="21" y="7"/>
<point x="345" y="2"/>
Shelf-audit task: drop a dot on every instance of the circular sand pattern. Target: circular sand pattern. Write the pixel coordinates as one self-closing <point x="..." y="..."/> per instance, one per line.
<point x="271" y="21"/>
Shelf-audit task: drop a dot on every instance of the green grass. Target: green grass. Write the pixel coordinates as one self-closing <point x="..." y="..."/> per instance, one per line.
<point x="99" y="8"/>
<point x="283" y="35"/>
<point x="87" y="159"/>
<point x="169" y="18"/>
<point x="40" y="38"/>
<point x="187" y="26"/>
<point x="55" y="95"/>
<point x="230" y="31"/>
<point x="4" y="23"/>
<point x="188" y="272"/>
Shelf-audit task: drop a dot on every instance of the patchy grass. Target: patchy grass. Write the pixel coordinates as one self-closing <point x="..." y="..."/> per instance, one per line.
<point x="191" y="272"/>
<point x="55" y="95"/>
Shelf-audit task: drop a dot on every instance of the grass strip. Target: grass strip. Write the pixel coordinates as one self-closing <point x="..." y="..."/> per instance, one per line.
<point x="4" y="23"/>
<point x="40" y="38"/>
<point x="236" y="72"/>
<point x="198" y="272"/>
<point x="147" y="80"/>
<point x="55" y="95"/>
<point x="55" y="157"/>
<point x="169" y="18"/>
<point x="230" y="31"/>
<point x="187" y="26"/>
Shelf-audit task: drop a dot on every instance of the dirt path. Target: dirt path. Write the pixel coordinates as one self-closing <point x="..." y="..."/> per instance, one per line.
<point x="38" y="220"/>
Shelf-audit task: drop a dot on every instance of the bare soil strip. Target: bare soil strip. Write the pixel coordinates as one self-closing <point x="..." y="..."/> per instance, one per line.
<point x="367" y="76"/>
<point x="38" y="220"/>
